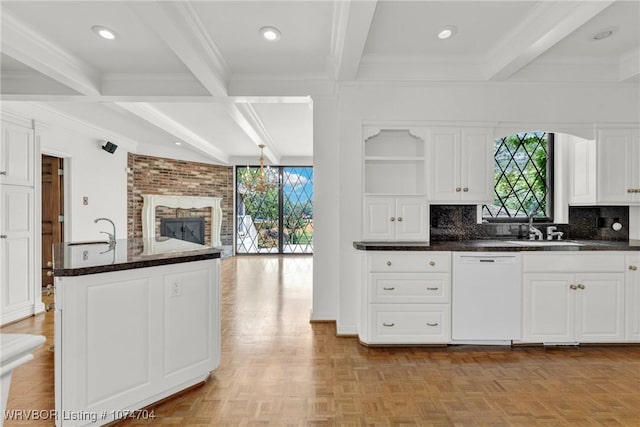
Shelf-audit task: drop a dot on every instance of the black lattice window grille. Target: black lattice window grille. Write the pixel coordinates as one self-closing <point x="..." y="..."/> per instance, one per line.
<point x="523" y="172"/>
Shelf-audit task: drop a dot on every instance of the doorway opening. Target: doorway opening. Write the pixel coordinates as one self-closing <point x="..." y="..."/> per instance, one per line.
<point x="52" y="177"/>
<point x="274" y="211"/>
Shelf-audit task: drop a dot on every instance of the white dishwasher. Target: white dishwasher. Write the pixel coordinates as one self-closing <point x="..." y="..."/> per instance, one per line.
<point x="486" y="305"/>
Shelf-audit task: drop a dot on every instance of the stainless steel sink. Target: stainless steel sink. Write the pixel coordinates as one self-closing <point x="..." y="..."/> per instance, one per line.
<point x="94" y="242"/>
<point x="544" y="243"/>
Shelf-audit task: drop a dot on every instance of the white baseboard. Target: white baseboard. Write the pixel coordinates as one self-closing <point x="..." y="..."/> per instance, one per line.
<point x="318" y="316"/>
<point x="22" y="313"/>
<point x="346" y="330"/>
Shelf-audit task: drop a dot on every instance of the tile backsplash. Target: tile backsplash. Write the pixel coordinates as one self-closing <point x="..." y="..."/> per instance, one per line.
<point x="459" y="222"/>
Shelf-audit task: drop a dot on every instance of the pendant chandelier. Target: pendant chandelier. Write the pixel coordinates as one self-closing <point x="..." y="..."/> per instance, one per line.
<point x="262" y="180"/>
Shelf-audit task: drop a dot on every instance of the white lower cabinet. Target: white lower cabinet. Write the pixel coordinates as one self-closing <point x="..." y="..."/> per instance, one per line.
<point x="407" y="298"/>
<point x="632" y="297"/>
<point x="396" y="218"/>
<point x="565" y="306"/>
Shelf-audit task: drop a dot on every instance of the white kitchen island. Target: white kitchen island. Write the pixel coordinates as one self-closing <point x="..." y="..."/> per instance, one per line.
<point x="135" y="322"/>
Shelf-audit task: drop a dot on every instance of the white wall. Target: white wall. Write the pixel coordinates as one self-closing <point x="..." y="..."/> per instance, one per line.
<point x="92" y="172"/>
<point x="512" y="107"/>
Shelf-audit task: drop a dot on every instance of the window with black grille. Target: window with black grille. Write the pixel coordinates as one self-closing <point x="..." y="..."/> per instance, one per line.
<point x="523" y="178"/>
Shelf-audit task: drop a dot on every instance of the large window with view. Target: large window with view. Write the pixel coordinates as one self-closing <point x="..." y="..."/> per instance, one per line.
<point x="523" y="178"/>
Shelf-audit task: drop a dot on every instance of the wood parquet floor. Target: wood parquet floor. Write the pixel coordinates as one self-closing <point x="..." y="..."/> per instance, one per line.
<point x="278" y="369"/>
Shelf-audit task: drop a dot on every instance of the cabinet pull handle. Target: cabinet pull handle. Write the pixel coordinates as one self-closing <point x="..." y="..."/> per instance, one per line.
<point x="581" y="286"/>
<point x="432" y="289"/>
<point x="574" y="287"/>
<point x="3" y="173"/>
<point x="389" y="289"/>
<point x="432" y="263"/>
<point x="388" y="325"/>
<point x="432" y="324"/>
<point x="3" y="236"/>
<point x="399" y="219"/>
<point x="465" y="189"/>
<point x="389" y="263"/>
<point x="633" y="268"/>
<point x="392" y="219"/>
<point x="458" y="189"/>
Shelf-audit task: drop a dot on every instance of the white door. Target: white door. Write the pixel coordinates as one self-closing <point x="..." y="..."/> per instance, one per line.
<point x="411" y="219"/>
<point x="16" y="155"/>
<point x="444" y="161"/>
<point x="379" y="218"/>
<point x="477" y="148"/>
<point x="548" y="308"/>
<point x="615" y="163"/>
<point x="17" y="275"/>
<point x="632" y="297"/>
<point x="599" y="307"/>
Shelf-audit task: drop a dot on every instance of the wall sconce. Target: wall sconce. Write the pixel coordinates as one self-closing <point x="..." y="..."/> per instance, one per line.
<point x="109" y="147"/>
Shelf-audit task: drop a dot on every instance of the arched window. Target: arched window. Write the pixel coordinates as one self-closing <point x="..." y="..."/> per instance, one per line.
<point x="523" y="178"/>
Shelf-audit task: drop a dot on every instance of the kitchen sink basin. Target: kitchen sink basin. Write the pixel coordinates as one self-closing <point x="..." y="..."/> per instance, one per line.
<point x="544" y="243"/>
<point x="94" y="242"/>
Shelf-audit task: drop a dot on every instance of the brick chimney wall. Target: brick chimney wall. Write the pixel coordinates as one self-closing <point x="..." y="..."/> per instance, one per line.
<point x="156" y="175"/>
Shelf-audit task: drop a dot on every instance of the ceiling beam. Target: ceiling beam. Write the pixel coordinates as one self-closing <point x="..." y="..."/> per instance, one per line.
<point x="250" y="123"/>
<point x="169" y="125"/>
<point x="158" y="98"/>
<point x="28" y="47"/>
<point x="547" y="24"/>
<point x="349" y="32"/>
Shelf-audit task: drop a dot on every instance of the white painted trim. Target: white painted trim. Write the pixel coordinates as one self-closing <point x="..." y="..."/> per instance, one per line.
<point x="252" y="125"/>
<point x="346" y="330"/>
<point x="322" y="316"/>
<point x="151" y="201"/>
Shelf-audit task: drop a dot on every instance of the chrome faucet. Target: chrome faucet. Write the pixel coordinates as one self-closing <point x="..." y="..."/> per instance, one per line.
<point x="534" y="233"/>
<point x="112" y="237"/>
<point x="551" y="232"/>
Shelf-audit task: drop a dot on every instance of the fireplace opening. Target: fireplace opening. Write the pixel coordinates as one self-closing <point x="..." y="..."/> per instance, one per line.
<point x="189" y="229"/>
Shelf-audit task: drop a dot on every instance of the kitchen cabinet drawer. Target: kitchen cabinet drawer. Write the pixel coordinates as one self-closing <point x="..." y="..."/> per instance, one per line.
<point x="433" y="262"/>
<point x="592" y="262"/>
<point x="415" y="324"/>
<point x="409" y="287"/>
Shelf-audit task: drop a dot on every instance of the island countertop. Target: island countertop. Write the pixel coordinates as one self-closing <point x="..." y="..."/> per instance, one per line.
<point x="82" y="258"/>
<point x="497" y="245"/>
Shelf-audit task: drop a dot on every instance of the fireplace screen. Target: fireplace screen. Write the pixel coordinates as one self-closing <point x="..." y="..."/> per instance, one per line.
<point x="189" y="229"/>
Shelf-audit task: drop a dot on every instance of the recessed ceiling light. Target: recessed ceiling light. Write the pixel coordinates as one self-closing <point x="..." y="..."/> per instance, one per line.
<point x="178" y="143"/>
<point x="607" y="32"/>
<point x="104" y="32"/>
<point x="447" y="32"/>
<point x="271" y="34"/>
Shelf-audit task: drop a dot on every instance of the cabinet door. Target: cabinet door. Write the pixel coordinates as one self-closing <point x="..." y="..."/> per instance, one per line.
<point x="379" y="218"/>
<point x="599" y="307"/>
<point x="616" y="166"/>
<point x="16" y="251"/>
<point x="583" y="180"/>
<point x="16" y="155"/>
<point x="444" y="161"/>
<point x="411" y="219"/>
<point x="476" y="149"/>
<point x="632" y="298"/>
<point x="548" y="308"/>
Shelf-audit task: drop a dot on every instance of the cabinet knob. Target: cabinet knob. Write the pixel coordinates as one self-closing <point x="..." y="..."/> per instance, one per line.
<point x="633" y="268"/>
<point x="388" y="262"/>
<point x="465" y="189"/>
<point x="432" y="263"/>
<point x="49" y="264"/>
<point x="388" y="325"/>
<point x="49" y="273"/>
<point x="392" y="219"/>
<point x="3" y="236"/>
<point x="458" y="189"/>
<point x="3" y="173"/>
<point x="574" y="287"/>
<point x="399" y="219"/>
<point x="629" y="190"/>
<point x="581" y="286"/>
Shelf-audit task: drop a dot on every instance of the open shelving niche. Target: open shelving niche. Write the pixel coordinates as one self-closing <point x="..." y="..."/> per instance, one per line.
<point x="394" y="163"/>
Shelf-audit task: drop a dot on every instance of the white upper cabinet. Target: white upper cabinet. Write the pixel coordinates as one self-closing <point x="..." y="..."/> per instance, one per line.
<point x="393" y="161"/>
<point x="460" y="165"/>
<point x="16" y="155"/>
<point x="607" y="170"/>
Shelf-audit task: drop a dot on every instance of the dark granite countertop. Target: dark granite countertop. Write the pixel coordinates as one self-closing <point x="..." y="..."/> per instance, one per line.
<point x="495" y="245"/>
<point x="78" y="259"/>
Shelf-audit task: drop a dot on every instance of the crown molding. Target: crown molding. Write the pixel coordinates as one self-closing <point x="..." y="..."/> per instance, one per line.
<point x="252" y="125"/>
